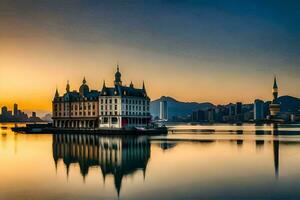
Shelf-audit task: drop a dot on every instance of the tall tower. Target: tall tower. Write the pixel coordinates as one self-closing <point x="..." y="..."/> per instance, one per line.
<point x="16" y="113"/>
<point x="274" y="106"/>
<point x="163" y="110"/>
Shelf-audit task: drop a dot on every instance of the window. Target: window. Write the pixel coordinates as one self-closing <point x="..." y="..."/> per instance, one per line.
<point x="116" y="107"/>
<point x="114" y="120"/>
<point x="105" y="100"/>
<point x="105" y="120"/>
<point x="116" y="100"/>
<point x="101" y="101"/>
<point x="110" y="100"/>
<point x="116" y="113"/>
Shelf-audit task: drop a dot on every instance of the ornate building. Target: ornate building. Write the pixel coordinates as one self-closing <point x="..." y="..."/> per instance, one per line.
<point x="76" y="109"/>
<point x="113" y="107"/>
<point x="123" y="106"/>
<point x="274" y="106"/>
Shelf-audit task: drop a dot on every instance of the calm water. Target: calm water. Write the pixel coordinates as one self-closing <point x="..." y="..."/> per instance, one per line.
<point x="192" y="162"/>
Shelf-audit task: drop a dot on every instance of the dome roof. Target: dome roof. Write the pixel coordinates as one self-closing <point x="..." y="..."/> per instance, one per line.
<point x="84" y="88"/>
<point x="118" y="77"/>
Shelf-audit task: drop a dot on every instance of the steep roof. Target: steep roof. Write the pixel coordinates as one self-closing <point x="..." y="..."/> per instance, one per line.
<point x="119" y="90"/>
<point x="76" y="96"/>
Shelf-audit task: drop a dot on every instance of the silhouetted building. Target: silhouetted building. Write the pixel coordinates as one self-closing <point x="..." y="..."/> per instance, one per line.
<point x="16" y="111"/>
<point x="231" y="109"/>
<point x="210" y="115"/>
<point x="238" y="108"/>
<point x="198" y="116"/>
<point x="15" y="116"/>
<point x="258" y="110"/>
<point x="4" y="111"/>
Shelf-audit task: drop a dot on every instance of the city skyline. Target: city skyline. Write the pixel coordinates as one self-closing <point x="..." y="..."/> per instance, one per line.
<point x="219" y="51"/>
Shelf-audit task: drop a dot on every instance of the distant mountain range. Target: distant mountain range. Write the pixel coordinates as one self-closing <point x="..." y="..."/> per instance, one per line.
<point x="289" y="104"/>
<point x="177" y="108"/>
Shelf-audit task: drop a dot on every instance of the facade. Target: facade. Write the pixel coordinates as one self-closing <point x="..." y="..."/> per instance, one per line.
<point x="163" y="110"/>
<point x="123" y="106"/>
<point x="258" y="110"/>
<point x="76" y="109"/>
<point x="113" y="107"/>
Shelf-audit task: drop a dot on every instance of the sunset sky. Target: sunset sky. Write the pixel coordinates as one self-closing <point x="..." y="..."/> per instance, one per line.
<point x="216" y="51"/>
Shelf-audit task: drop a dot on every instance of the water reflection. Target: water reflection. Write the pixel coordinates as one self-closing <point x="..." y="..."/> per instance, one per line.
<point x="118" y="156"/>
<point x="185" y="165"/>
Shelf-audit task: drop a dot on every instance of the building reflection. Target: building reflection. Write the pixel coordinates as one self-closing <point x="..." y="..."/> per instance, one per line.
<point x="117" y="156"/>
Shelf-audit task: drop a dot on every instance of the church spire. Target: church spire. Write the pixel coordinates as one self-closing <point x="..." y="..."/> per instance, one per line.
<point x="68" y="86"/>
<point x="84" y="81"/>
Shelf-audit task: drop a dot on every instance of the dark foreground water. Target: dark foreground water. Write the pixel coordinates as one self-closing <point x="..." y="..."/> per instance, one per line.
<point x="192" y="162"/>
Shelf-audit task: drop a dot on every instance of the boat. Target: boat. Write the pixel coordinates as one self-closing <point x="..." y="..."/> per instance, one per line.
<point x="32" y="128"/>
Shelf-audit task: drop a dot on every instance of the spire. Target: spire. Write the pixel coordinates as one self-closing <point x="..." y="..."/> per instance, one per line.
<point x="118" y="76"/>
<point x="56" y="93"/>
<point x="104" y="86"/>
<point x="131" y="84"/>
<point x="275" y="89"/>
<point x="144" y="88"/>
<point x="68" y="86"/>
<point x="275" y="83"/>
<point x="84" y="81"/>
